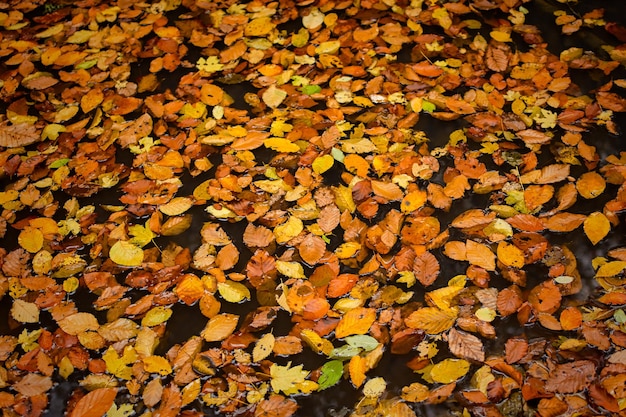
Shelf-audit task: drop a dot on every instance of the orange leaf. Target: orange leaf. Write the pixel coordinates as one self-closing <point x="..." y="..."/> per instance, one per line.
<point x="387" y="190"/>
<point x="171" y="402"/>
<point x="311" y="249"/>
<point x="473" y="218"/>
<point x="479" y="254"/>
<point x="571" y="318"/>
<point x="356" y="321"/>
<point x="571" y="377"/>
<point x="95" y="404"/>
<point x="357" y="368"/>
<point x="551" y="407"/>
<point x="564" y="222"/>
<point x="526" y="223"/>
<point x="590" y="185"/>
<point x="545" y="297"/>
<point x="510" y="255"/>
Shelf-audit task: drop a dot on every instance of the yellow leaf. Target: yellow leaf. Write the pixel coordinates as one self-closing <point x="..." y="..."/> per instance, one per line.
<point x="415" y="393"/>
<point x="156" y="316"/>
<point x="118" y="365"/>
<point x="263" y="347"/>
<point x="259" y="27"/>
<point x="375" y="387"/>
<point x="157" y="365"/>
<point x="126" y="254"/>
<point x="343" y="198"/>
<point x="288" y="230"/>
<point x="233" y="292"/>
<point x="281" y="145"/>
<point x="431" y="319"/>
<point x="290" y="269"/>
<point x="285" y="378"/>
<point x="273" y="96"/>
<point x="596" y="227"/>
<point x="500" y="36"/>
<point x="449" y="370"/>
<point x="322" y="164"/>
<point x="314" y="19"/>
<point x="347" y="250"/>
<point x="442" y="15"/>
<point x="317" y="343"/>
<point x="30" y="239"/>
<point x="191" y="391"/>
<point x="610" y="269"/>
<point x="220" y="327"/>
<point x="141" y="235"/>
<point x="25" y="312"/>
<point x="356" y="321"/>
<point x="510" y="255"/>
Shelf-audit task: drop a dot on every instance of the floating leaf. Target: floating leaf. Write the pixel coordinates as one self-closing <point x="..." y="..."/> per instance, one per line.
<point x="95" y="404"/>
<point x="596" y="227"/>
<point x="219" y="327"/>
<point x="263" y="347"/>
<point x="449" y="370"/>
<point x="355" y="321"/>
<point x="431" y="319"/>
<point x="126" y="254"/>
<point x="331" y="373"/>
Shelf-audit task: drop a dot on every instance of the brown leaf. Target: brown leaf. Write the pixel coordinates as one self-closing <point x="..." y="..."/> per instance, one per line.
<point x="276" y="406"/>
<point x="571" y="377"/>
<point x="465" y="345"/>
<point x="426" y="268"/>
<point x="33" y="384"/>
<point x="21" y="134"/>
<point x="95" y="404"/>
<point x="509" y="300"/>
<point x="515" y="349"/>
<point x="257" y="236"/>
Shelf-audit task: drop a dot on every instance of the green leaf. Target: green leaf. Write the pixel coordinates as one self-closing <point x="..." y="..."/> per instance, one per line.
<point x="344" y="352"/>
<point x="331" y="374"/>
<point x="362" y="341"/>
<point x="428" y="107"/>
<point x="59" y="163"/>
<point x="311" y="89"/>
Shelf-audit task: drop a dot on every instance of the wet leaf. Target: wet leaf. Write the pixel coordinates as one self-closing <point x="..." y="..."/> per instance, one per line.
<point x="95" y="404"/>
<point x="449" y="370"/>
<point x="126" y="254"/>
<point x="596" y="227"/>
